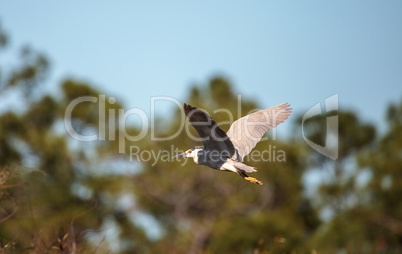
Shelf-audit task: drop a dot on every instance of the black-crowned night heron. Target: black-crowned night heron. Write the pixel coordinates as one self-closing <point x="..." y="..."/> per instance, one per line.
<point x="225" y="151"/>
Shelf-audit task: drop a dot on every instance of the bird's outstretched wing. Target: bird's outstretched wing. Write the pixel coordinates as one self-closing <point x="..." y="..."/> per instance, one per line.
<point x="213" y="137"/>
<point x="247" y="131"/>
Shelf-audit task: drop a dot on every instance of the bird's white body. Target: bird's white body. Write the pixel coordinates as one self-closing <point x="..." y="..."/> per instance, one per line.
<point x="228" y="167"/>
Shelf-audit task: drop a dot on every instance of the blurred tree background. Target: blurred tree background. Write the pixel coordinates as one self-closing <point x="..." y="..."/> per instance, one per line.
<point x="60" y="195"/>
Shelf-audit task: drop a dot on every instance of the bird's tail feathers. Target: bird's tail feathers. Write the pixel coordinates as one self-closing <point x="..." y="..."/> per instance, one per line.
<point x="243" y="167"/>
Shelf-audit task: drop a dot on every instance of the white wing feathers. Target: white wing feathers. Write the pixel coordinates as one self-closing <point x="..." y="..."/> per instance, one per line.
<point x="247" y="131"/>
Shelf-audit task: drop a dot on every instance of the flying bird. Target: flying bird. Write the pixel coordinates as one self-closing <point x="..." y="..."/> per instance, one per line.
<point x="225" y="151"/>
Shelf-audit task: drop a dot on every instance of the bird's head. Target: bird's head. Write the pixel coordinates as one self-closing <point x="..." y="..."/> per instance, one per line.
<point x="190" y="153"/>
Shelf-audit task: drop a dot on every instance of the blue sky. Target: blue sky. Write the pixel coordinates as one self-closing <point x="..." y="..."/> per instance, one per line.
<point x="299" y="52"/>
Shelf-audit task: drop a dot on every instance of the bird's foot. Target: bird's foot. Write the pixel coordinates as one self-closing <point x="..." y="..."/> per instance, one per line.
<point x="253" y="180"/>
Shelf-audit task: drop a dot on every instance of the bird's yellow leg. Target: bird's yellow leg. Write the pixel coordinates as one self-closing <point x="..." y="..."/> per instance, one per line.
<point x="253" y="180"/>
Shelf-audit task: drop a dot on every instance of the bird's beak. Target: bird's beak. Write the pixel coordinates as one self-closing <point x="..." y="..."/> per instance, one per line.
<point x="180" y="155"/>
